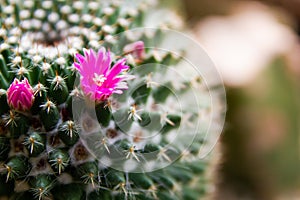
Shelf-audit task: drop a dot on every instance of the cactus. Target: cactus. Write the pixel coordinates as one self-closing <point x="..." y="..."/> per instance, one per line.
<point x="88" y="112"/>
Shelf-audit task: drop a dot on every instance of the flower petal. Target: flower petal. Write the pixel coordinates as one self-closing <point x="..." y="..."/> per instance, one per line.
<point x="93" y="65"/>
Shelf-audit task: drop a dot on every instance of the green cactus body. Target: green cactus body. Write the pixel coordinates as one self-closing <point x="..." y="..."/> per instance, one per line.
<point x="56" y="148"/>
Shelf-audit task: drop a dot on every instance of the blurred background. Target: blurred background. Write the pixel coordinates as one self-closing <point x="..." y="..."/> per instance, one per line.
<point x="255" y="46"/>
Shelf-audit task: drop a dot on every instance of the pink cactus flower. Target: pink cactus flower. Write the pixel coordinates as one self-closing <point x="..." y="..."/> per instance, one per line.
<point x="98" y="79"/>
<point x="136" y="49"/>
<point x="20" y="95"/>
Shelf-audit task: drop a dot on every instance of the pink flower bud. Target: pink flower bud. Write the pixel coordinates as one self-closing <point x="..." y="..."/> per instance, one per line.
<point x="20" y="95"/>
<point x="136" y="49"/>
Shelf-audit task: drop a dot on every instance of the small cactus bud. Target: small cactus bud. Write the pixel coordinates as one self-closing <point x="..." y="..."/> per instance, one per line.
<point x="20" y="95"/>
<point x="137" y="49"/>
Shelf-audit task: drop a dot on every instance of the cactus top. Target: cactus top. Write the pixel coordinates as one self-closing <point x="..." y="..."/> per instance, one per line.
<point x="20" y="95"/>
<point x="98" y="79"/>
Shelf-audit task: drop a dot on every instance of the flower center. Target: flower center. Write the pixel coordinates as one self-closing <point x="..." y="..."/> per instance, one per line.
<point x="99" y="79"/>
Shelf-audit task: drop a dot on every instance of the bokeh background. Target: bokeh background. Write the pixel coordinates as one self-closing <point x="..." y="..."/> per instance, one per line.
<point x="255" y="46"/>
